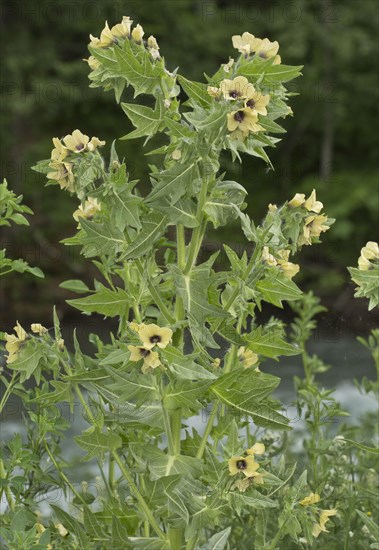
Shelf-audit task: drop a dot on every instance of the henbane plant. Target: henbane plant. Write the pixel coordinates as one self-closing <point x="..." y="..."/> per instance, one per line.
<point x="188" y="342"/>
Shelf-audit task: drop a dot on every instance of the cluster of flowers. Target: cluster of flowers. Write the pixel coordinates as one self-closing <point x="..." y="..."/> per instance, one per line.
<point x="250" y="101"/>
<point x="63" y="154"/>
<point x="314" y="223"/>
<point x="289" y="269"/>
<point x="369" y="258"/>
<point x="90" y="208"/>
<point x="248" y="466"/>
<point x="117" y="35"/>
<point x="150" y="335"/>
<point x="14" y="343"/>
<point x="324" y="515"/>
<point x="248" y="45"/>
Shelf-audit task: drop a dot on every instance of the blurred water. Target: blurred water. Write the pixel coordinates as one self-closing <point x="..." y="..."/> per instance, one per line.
<point x="348" y="358"/>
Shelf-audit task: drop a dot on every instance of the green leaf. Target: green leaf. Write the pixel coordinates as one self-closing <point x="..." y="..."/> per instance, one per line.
<point x="183" y="211"/>
<point x="277" y="287"/>
<point x="370" y="524"/>
<point x="161" y="464"/>
<point x="153" y="226"/>
<point x="147" y="121"/>
<point x="100" y="239"/>
<point x="372" y="450"/>
<point x="133" y="386"/>
<point x="196" y="91"/>
<point x="173" y="183"/>
<point x="238" y="501"/>
<point x="151" y="543"/>
<point x="184" y="367"/>
<point x="269" y="344"/>
<point x="193" y="288"/>
<point x="71" y="524"/>
<point x="218" y="541"/>
<point x="246" y="391"/>
<point x="97" y="443"/>
<point x="256" y="70"/>
<point x="182" y="394"/>
<point x="224" y="202"/>
<point x="105" y="301"/>
<point x="75" y="285"/>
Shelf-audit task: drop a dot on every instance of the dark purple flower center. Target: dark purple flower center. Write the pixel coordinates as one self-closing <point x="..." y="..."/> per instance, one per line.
<point x="239" y="116"/>
<point x="241" y="464"/>
<point x="155" y="339"/>
<point x="80" y="147"/>
<point x="144" y="352"/>
<point x="234" y="94"/>
<point x="251" y="103"/>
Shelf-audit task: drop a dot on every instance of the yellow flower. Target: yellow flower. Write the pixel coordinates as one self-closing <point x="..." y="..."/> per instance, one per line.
<point x="153" y="47"/>
<point x="93" y="62"/>
<point x="245" y="43"/>
<point x="244" y="464"/>
<point x="60" y="344"/>
<point x="266" y="49"/>
<point x="244" y="120"/>
<point x="312" y="205"/>
<point x="135" y="326"/>
<point x="61" y="529"/>
<point x="227" y="66"/>
<point x="324" y="517"/>
<point x="91" y="206"/>
<point x="177" y="154"/>
<point x="272" y="207"/>
<point x="289" y="269"/>
<point x="213" y="91"/>
<point x="38" y="329"/>
<point x="94" y="144"/>
<point x="122" y="30"/>
<point x="368" y="253"/>
<point x="62" y="173"/>
<point x="314" y="226"/>
<point x="267" y="257"/>
<point x="152" y="335"/>
<point x="247" y="357"/>
<point x="298" y="200"/>
<point x="150" y="358"/>
<point x="105" y="40"/>
<point x="256" y="449"/>
<point x="257" y="102"/>
<point x="216" y="363"/>
<point x="14" y="343"/>
<point x="312" y="498"/>
<point x="137" y="33"/>
<point x="76" y="141"/>
<point x="238" y="88"/>
<point x="59" y="152"/>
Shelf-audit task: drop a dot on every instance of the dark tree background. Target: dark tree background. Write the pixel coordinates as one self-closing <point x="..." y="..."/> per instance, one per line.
<point x="331" y="144"/>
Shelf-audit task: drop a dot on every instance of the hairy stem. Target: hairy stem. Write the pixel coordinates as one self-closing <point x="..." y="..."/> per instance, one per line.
<point x="141" y="501"/>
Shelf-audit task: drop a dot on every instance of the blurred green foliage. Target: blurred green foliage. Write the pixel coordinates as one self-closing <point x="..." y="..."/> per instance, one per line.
<point x="331" y="142"/>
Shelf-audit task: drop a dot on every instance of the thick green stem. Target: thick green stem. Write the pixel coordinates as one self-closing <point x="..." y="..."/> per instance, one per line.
<point x="63" y="476"/>
<point x="167" y="425"/>
<point x="179" y="306"/>
<point x="141" y="501"/>
<point x="208" y="429"/>
<point x="175" y="537"/>
<point x="176" y="426"/>
<point x="153" y="291"/>
<point x="198" y="232"/>
<point x="5" y="487"/>
<point x="191" y="543"/>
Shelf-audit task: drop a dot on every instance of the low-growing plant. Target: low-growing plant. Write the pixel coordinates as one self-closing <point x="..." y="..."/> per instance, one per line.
<point x="188" y="447"/>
